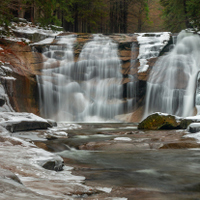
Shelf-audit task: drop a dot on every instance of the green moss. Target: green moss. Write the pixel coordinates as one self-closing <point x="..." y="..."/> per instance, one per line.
<point x="157" y="121"/>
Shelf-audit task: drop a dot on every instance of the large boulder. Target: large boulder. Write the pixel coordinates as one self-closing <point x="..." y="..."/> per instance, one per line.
<point x="15" y="121"/>
<point x="158" y="121"/>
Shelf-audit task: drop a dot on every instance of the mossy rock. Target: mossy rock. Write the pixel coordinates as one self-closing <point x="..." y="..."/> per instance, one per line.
<point x="158" y="121"/>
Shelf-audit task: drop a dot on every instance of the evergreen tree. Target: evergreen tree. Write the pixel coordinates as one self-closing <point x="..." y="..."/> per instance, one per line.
<point x="181" y="14"/>
<point x="193" y="12"/>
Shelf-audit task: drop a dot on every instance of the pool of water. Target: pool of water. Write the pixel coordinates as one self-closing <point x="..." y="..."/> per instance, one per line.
<point x="133" y="161"/>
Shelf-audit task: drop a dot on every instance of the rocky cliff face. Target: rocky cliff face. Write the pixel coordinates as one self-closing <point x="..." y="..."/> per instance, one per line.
<point x="20" y="66"/>
<point x="26" y="61"/>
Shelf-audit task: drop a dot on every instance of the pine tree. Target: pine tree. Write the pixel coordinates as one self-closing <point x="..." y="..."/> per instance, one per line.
<point x="193" y="12"/>
<point x="179" y="13"/>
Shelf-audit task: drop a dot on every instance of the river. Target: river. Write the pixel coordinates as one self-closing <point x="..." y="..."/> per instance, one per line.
<point x="122" y="162"/>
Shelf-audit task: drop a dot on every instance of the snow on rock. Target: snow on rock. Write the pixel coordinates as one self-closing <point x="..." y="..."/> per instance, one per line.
<point x="123" y="139"/>
<point x="29" y="28"/>
<point x="45" y="41"/>
<point x="15" y="121"/>
<point x="19" y="39"/>
<point x="150" y="46"/>
<point x="194" y="127"/>
<point x="24" y="160"/>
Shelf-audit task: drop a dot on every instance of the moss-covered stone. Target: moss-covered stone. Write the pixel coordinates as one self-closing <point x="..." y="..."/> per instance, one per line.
<point x="158" y="121"/>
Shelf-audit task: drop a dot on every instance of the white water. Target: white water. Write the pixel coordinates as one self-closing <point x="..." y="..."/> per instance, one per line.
<point x="171" y="84"/>
<point x="88" y="90"/>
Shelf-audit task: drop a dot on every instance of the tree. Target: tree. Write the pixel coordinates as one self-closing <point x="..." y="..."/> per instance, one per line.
<point x="175" y="13"/>
<point x="193" y="13"/>
<point x="87" y="16"/>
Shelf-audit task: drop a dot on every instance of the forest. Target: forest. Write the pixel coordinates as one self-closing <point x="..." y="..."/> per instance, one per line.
<point x="106" y="16"/>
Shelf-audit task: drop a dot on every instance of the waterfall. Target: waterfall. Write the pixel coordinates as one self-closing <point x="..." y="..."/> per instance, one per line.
<point x="87" y="90"/>
<point x="171" y="83"/>
<point x="132" y="85"/>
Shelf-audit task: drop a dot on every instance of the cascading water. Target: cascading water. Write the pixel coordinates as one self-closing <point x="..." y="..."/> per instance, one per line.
<point x="171" y="84"/>
<point x="88" y="90"/>
<point x="131" y="86"/>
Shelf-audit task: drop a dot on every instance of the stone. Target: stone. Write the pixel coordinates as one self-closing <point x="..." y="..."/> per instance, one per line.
<point x="15" y="121"/>
<point x="158" y="121"/>
<point x="53" y="165"/>
<point x="180" y="145"/>
<point x="2" y="101"/>
<point x="194" y="127"/>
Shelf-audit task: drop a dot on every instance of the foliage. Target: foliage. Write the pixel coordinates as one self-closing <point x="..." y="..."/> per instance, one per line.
<point x="47" y="11"/>
<point x="174" y="14"/>
<point x="193" y="11"/>
<point x="181" y="14"/>
<point x="78" y="15"/>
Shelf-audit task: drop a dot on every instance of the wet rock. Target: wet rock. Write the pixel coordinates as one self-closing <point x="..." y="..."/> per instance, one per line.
<point x="2" y="101"/>
<point x="53" y="165"/>
<point x="194" y="127"/>
<point x="185" y="123"/>
<point x="180" y="145"/>
<point x="158" y="121"/>
<point x="23" y="67"/>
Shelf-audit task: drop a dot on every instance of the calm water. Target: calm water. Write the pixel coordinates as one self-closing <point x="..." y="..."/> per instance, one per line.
<point x="135" y="162"/>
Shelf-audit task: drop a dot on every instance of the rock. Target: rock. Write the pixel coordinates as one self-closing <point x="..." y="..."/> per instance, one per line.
<point x="53" y="165"/>
<point x="52" y="122"/>
<point x="15" y="121"/>
<point x="158" y="121"/>
<point x="180" y="145"/>
<point x="2" y="101"/>
<point x="194" y="127"/>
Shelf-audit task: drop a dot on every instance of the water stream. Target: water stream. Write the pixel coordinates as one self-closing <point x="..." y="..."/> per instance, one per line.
<point x="87" y="90"/>
<point x="171" y="84"/>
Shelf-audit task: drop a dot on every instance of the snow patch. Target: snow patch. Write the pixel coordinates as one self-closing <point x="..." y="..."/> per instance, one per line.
<point x="150" y="46"/>
<point x="45" y="41"/>
<point x="104" y="189"/>
<point x="123" y="139"/>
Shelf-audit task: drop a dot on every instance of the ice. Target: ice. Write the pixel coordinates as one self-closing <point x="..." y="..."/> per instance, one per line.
<point x="6" y="107"/>
<point x="150" y="46"/>
<point x="25" y="160"/>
